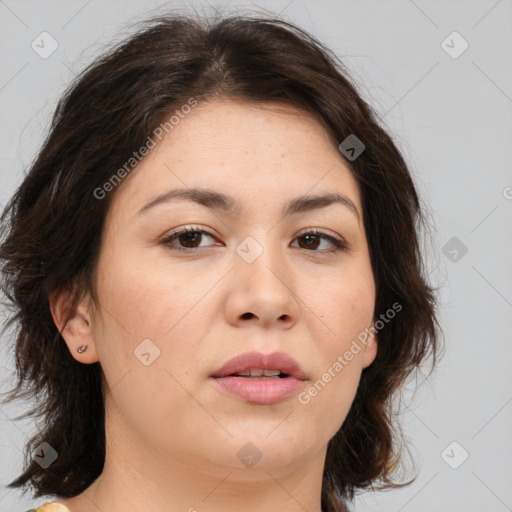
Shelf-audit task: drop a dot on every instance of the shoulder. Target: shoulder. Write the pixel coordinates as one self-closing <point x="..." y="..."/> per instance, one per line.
<point x="53" y="506"/>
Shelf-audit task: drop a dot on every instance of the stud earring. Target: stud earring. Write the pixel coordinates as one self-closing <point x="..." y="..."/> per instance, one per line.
<point x="81" y="349"/>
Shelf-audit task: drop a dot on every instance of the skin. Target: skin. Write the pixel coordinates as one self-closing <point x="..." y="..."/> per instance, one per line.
<point x="172" y="437"/>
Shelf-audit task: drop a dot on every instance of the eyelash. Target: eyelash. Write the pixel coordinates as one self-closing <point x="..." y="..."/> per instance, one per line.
<point x="339" y="245"/>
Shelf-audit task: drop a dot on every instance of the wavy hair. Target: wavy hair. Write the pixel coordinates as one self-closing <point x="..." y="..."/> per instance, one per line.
<point x="51" y="229"/>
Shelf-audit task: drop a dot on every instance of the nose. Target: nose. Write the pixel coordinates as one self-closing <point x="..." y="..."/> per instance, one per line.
<point x="262" y="289"/>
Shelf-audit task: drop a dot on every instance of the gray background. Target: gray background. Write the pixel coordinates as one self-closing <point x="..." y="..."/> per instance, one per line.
<point x="452" y="117"/>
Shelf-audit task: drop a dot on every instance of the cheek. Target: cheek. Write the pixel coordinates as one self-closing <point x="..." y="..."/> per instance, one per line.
<point x="333" y="385"/>
<point x="343" y="305"/>
<point x="150" y="308"/>
<point x="149" y="298"/>
<point x="325" y="403"/>
<point x="343" y="309"/>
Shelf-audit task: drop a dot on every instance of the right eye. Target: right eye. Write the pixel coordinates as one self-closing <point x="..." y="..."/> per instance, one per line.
<point x="189" y="237"/>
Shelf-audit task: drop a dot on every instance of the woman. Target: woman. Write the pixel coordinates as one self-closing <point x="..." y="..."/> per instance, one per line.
<point x="215" y="269"/>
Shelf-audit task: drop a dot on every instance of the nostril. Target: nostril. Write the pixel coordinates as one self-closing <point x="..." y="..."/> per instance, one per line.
<point x="246" y="316"/>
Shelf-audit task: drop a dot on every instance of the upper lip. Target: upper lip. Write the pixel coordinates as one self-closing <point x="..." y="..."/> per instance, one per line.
<point x="257" y="360"/>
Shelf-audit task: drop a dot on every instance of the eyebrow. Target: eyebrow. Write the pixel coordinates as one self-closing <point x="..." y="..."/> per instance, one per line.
<point x="221" y="202"/>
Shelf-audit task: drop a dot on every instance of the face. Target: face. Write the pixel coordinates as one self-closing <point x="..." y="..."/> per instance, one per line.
<point x="173" y="307"/>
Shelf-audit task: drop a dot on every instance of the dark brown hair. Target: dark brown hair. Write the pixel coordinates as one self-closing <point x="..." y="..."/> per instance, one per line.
<point x="52" y="227"/>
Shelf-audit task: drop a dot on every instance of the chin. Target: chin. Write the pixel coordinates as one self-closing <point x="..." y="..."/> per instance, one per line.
<point x="261" y="449"/>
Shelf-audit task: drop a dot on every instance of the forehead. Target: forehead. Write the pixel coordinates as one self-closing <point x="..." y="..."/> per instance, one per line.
<point x="247" y="150"/>
<point x="252" y="128"/>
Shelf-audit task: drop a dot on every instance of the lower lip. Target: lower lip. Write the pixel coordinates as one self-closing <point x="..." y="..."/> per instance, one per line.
<point x="259" y="391"/>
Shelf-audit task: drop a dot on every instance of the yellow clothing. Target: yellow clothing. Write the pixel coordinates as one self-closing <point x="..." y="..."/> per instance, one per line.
<point x="53" y="506"/>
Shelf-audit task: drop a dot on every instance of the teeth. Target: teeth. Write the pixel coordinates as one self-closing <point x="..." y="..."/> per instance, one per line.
<point x="258" y="373"/>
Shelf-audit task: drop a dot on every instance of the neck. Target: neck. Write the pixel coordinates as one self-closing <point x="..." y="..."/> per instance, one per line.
<point x="146" y="479"/>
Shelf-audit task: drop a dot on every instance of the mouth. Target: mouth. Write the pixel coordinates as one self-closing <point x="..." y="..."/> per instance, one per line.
<point x="260" y="379"/>
<point x="260" y="374"/>
<point x="258" y="365"/>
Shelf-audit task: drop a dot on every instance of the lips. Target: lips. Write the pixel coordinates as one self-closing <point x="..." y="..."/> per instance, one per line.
<point x="278" y="361"/>
<point x="265" y="379"/>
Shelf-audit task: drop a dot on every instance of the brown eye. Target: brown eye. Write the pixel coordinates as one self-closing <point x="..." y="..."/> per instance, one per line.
<point x="186" y="238"/>
<point x="312" y="240"/>
<point x="190" y="238"/>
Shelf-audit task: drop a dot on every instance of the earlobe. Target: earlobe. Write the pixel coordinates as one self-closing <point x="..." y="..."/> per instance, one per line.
<point x="370" y="351"/>
<point x="78" y="331"/>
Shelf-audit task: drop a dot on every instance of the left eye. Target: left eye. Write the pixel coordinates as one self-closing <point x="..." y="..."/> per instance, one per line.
<point x="314" y="236"/>
<point x="190" y="237"/>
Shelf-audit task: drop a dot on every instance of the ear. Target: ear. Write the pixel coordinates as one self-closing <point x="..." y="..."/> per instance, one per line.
<point x="370" y="349"/>
<point x="78" y="331"/>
